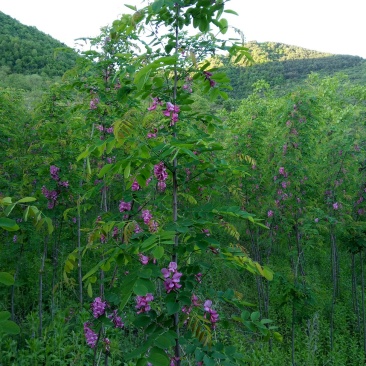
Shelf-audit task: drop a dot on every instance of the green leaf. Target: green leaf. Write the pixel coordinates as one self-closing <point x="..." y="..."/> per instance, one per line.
<point x="143" y="286"/>
<point x="231" y="12"/>
<point x="142" y="321"/>
<point x="104" y="170"/>
<point x="158" y="357"/>
<point x="164" y="341"/>
<point x="277" y="336"/>
<point x="172" y="308"/>
<point x="8" y="224"/>
<point x="255" y="316"/>
<point x="127" y="288"/>
<point x="130" y="7"/>
<point x="141" y="362"/>
<point x="6" y="279"/>
<point x="158" y="252"/>
<point x="157" y="5"/>
<point x="26" y="199"/>
<point x="4" y="315"/>
<point x="9" y="327"/>
<point x="127" y="170"/>
<point x="224" y="26"/>
<point x="90" y="290"/>
<point x="8" y="210"/>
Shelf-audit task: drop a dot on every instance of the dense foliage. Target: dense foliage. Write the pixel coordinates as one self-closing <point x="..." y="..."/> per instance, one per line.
<point x="26" y="50"/>
<point x="139" y="227"/>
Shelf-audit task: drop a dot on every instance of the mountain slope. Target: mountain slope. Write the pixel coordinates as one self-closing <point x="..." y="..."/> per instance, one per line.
<point x="283" y="66"/>
<point x="26" y="50"/>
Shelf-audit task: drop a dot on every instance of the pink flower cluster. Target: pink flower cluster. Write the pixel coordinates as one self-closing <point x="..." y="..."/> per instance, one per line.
<point x="172" y="111"/>
<point x="144" y="259"/>
<point x="208" y="76"/>
<point x="54" y="172"/>
<point x="172" y="277"/>
<point x="94" y="103"/>
<point x="214" y="316"/>
<point x="147" y="217"/>
<point x="101" y="128"/>
<point x="51" y="196"/>
<point x="117" y="320"/>
<point x="143" y="303"/>
<point x="282" y="171"/>
<point x="161" y="175"/>
<point x="188" y="85"/>
<point x="155" y="103"/>
<point x="98" y="307"/>
<point x="135" y="186"/>
<point x="124" y="206"/>
<point x="90" y="335"/>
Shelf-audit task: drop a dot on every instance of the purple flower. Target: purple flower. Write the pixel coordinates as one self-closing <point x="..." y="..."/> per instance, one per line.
<point x="155" y="103"/>
<point x="214" y="316"/>
<point x="143" y="303"/>
<point x="135" y="186"/>
<point x="54" y="172"/>
<point x="137" y="228"/>
<point x="15" y="238"/>
<point x="195" y="300"/>
<point x="90" y="335"/>
<point x="117" y="320"/>
<point x="281" y="170"/>
<point x="335" y="206"/>
<point x="144" y="259"/>
<point x="124" y="206"/>
<point x="94" y="103"/>
<point x="98" y="307"/>
<point x="316" y="220"/>
<point x="172" y="277"/>
<point x="160" y="172"/>
<point x="270" y="213"/>
<point x="153" y="226"/>
<point x="146" y="216"/>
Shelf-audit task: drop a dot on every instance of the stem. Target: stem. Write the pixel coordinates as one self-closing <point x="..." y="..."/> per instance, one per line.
<point x="80" y="273"/>
<point x="335" y="283"/>
<point x="40" y="300"/>
<point x="175" y="192"/>
<point x="354" y="292"/>
<point x="363" y="302"/>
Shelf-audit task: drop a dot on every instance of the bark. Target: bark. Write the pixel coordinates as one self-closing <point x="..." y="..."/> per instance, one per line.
<point x="40" y="299"/>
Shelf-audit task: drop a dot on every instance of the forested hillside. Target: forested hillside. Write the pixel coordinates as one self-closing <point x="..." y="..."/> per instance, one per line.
<point x="155" y="212"/>
<point x="26" y="50"/>
<point x="284" y="67"/>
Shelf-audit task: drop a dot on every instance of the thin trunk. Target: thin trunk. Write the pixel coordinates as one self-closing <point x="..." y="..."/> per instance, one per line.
<point x="293" y="334"/>
<point x="54" y="269"/>
<point x="80" y="273"/>
<point x="334" y="258"/>
<point x="13" y="296"/>
<point x="363" y="302"/>
<point x="175" y="192"/>
<point x="13" y="287"/>
<point x="40" y="300"/>
<point x="300" y="252"/>
<point x="356" y="308"/>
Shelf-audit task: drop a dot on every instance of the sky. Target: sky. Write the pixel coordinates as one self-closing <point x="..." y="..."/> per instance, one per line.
<point x="334" y="26"/>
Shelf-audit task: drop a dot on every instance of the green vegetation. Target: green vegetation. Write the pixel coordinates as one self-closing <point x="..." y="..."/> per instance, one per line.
<point x="26" y="50"/>
<point x="149" y="218"/>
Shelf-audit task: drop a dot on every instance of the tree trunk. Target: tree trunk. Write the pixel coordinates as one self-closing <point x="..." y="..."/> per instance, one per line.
<point x="40" y="299"/>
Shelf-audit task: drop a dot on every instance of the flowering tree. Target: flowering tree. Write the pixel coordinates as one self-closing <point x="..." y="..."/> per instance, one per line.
<point x="161" y="189"/>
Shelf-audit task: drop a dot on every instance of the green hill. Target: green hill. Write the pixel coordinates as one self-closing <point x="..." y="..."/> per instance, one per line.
<point x="26" y="50"/>
<point x="284" y="66"/>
